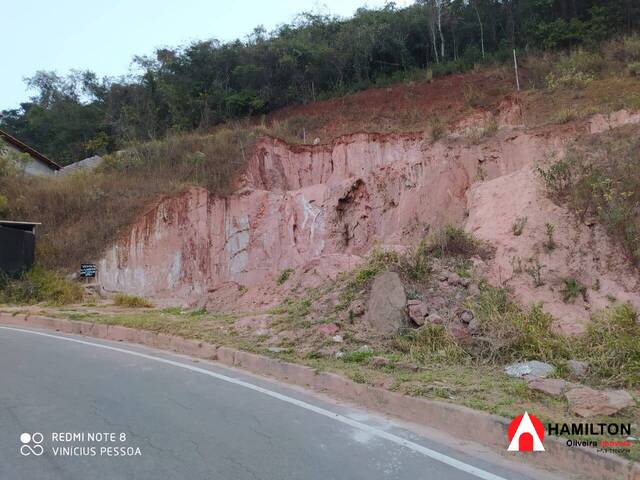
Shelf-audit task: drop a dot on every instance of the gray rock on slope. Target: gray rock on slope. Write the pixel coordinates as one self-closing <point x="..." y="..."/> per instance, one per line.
<point x="387" y="300"/>
<point x="529" y="369"/>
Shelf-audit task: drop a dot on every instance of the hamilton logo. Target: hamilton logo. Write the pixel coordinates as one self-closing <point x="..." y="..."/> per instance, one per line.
<point x="526" y="433"/>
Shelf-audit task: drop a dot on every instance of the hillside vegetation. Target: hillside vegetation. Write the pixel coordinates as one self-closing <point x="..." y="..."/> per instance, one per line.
<point x="83" y="213"/>
<point x="202" y="84"/>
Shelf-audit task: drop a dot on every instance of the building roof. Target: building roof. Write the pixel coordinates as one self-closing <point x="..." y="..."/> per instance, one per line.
<point x="23" y="147"/>
<point x="28" y="226"/>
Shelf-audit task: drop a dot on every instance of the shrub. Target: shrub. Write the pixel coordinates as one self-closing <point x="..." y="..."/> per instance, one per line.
<point x="431" y="343"/>
<point x="132" y="301"/>
<point x="634" y="68"/>
<point x="40" y="285"/>
<point x="623" y="49"/>
<point x="454" y="241"/>
<point x="518" y="226"/>
<point x="557" y="178"/>
<point x="612" y="348"/>
<point x="510" y="333"/>
<point x="357" y="356"/>
<point x="565" y="115"/>
<point x="549" y="244"/>
<point x="573" y="288"/>
<point x="575" y="70"/>
<point x="284" y="276"/>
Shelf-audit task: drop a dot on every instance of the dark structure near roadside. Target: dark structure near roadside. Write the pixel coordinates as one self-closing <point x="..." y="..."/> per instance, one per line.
<point x="17" y="246"/>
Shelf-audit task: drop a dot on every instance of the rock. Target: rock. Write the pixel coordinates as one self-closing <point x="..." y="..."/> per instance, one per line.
<point x="337" y="338"/>
<point x="407" y="366"/>
<point x="587" y="402"/>
<point x="464" y="282"/>
<point x="577" y="368"/>
<point x="443" y="276"/>
<point x="339" y="354"/>
<point x="328" y="329"/>
<point x="386" y="306"/>
<point x="364" y="349"/>
<point x="379" y="361"/>
<point x="551" y="386"/>
<point x="261" y="332"/>
<point x="277" y="349"/>
<point x="474" y="289"/>
<point x="474" y="327"/>
<point x="531" y="368"/>
<point x="453" y="279"/>
<point x="357" y="308"/>
<point x="417" y="311"/>
<point x="458" y="331"/>
<point x="466" y="316"/>
<point x="435" y="319"/>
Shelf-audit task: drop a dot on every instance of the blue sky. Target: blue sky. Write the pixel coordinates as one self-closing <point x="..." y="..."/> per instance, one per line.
<point x="104" y="36"/>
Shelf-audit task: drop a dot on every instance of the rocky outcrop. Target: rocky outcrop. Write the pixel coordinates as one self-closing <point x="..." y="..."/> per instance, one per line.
<point x="320" y="209"/>
<point x="587" y="402"/>
<point x="387" y="301"/>
<point x="298" y="204"/>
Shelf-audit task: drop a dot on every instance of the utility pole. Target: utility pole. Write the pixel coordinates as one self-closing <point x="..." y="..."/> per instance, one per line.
<point x="515" y="64"/>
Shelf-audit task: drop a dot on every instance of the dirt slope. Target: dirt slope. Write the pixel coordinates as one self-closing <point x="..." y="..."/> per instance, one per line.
<point x="329" y="205"/>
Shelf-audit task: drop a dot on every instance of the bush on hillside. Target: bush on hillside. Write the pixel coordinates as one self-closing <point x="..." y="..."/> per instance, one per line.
<point x="131" y="301"/>
<point x="40" y="285"/>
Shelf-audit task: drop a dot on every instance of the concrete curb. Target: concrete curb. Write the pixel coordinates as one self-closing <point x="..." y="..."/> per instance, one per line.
<point x="458" y="421"/>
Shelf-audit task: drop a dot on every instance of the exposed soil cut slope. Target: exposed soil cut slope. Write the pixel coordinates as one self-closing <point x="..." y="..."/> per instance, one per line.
<point x="322" y="208"/>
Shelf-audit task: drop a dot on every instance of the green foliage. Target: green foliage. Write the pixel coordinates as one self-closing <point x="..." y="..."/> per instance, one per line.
<point x="572" y="289"/>
<point x="431" y="343"/>
<point x="131" y="301"/>
<point x="514" y="333"/>
<point x="599" y="179"/>
<point x="549" y="244"/>
<point x="453" y="241"/>
<point x="534" y="270"/>
<point x="284" y="276"/>
<point x="40" y="285"/>
<point x="357" y="356"/>
<point x="557" y="178"/>
<point x="204" y="83"/>
<point x="612" y="348"/>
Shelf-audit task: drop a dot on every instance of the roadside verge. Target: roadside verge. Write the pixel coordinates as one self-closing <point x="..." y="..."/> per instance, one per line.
<point x="458" y="421"/>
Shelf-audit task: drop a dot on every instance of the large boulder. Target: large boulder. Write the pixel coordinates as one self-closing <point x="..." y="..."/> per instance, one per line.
<point x="587" y="402"/>
<point x="387" y="300"/>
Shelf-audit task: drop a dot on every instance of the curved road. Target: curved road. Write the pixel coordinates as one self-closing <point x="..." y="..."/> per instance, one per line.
<point x="169" y="417"/>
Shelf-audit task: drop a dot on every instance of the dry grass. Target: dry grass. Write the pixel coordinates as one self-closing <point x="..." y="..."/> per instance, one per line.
<point x="83" y="213"/>
<point x="131" y="301"/>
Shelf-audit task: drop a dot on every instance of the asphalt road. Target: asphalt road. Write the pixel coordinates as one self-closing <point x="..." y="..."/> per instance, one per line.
<point x="170" y="417"/>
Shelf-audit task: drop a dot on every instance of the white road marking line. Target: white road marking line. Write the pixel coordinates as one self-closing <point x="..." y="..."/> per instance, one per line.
<point x="440" y="457"/>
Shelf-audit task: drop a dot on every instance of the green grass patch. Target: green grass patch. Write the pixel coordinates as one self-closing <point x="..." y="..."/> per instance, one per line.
<point x="572" y="290"/>
<point x="612" y="347"/>
<point x="510" y="333"/>
<point x="357" y="356"/>
<point x="284" y="276"/>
